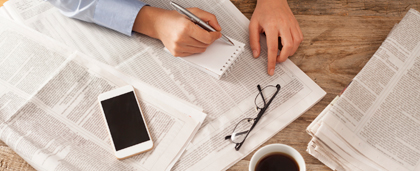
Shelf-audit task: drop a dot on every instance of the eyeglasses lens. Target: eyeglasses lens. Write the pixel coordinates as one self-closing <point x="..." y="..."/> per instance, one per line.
<point x="241" y="130"/>
<point x="268" y="92"/>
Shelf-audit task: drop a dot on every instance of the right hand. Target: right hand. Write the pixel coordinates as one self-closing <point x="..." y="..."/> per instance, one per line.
<point x="179" y="35"/>
<point x="275" y="18"/>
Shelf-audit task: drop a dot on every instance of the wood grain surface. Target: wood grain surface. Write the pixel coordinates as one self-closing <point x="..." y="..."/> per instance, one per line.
<point x="340" y="36"/>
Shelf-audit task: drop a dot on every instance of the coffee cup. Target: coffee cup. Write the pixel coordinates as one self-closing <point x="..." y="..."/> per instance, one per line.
<point x="278" y="156"/>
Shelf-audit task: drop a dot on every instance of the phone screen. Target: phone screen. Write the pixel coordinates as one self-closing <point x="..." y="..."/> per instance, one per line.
<point x="125" y="121"/>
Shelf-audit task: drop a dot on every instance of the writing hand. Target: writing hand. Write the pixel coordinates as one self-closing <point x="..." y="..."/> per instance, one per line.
<point x="275" y="18"/>
<point x="179" y="35"/>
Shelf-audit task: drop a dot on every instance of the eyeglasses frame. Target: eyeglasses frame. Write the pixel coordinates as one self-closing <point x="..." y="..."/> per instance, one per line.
<point x="260" y="114"/>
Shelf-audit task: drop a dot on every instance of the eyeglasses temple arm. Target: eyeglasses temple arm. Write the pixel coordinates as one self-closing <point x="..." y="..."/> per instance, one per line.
<point x="238" y="145"/>
<point x="239" y="133"/>
<point x="268" y="104"/>
<point x="262" y="96"/>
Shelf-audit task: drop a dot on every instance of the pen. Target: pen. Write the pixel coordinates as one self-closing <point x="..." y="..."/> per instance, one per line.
<point x="198" y="21"/>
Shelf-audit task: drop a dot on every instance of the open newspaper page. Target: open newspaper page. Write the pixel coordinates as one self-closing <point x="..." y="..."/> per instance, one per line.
<point x="3" y="12"/>
<point x="49" y="113"/>
<point x="377" y="117"/>
<point x="226" y="101"/>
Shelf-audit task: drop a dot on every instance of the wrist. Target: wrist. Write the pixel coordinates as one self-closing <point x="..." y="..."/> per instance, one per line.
<point x="271" y="2"/>
<point x="146" y="20"/>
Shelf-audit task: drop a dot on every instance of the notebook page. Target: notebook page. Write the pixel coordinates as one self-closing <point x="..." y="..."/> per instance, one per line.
<point x="217" y="58"/>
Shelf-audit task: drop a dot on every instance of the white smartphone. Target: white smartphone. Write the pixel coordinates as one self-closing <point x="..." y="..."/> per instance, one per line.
<point x="125" y="122"/>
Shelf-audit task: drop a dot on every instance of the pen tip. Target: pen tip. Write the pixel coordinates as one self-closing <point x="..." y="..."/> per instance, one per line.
<point x="227" y="40"/>
<point x="231" y="43"/>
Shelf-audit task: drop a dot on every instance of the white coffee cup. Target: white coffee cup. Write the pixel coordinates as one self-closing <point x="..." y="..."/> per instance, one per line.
<point x="273" y="148"/>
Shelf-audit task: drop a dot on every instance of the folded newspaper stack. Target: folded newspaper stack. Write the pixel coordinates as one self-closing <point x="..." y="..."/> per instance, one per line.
<point x="375" y="123"/>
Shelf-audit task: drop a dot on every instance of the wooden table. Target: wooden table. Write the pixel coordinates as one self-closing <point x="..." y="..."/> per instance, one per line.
<point x="340" y="36"/>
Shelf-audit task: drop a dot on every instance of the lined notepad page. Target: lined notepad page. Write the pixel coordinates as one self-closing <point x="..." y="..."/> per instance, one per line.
<point x="218" y="58"/>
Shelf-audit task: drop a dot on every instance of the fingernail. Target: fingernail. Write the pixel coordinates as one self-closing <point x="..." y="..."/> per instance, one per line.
<point x="255" y="53"/>
<point x="271" y="71"/>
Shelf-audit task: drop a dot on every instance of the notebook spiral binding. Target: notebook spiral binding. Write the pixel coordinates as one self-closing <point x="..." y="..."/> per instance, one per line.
<point x="217" y="59"/>
<point x="234" y="58"/>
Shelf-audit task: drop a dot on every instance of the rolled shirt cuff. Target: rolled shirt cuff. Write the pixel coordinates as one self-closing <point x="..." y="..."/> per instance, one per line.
<point x="117" y="15"/>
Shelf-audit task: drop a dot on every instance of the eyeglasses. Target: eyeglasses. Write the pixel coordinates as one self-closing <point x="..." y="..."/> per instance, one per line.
<point x="245" y="126"/>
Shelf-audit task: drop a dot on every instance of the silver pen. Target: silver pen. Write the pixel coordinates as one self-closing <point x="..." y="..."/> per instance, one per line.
<point x="197" y="20"/>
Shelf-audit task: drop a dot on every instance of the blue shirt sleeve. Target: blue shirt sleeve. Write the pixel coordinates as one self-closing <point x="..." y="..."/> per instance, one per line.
<point x="118" y="15"/>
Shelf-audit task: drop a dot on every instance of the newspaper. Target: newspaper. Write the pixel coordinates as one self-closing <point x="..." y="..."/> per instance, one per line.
<point x="4" y="13"/>
<point x="375" y="123"/>
<point x="226" y="101"/>
<point x="49" y="113"/>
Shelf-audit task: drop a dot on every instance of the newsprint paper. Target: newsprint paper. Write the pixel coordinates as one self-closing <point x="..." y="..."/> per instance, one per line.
<point x="50" y="115"/>
<point x="225" y="101"/>
<point x="375" y="123"/>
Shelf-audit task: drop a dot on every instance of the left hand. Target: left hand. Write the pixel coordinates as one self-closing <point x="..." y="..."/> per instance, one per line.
<point x="275" y="18"/>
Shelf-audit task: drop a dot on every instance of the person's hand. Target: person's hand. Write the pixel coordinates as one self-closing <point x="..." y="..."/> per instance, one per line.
<point x="275" y="18"/>
<point x="179" y="35"/>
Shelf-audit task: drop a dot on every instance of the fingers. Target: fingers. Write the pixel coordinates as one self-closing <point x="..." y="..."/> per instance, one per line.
<point x="192" y="39"/>
<point x="181" y="50"/>
<point x="272" y="48"/>
<point x="297" y="39"/>
<point x="193" y="42"/>
<point x="183" y="37"/>
<point x="191" y="49"/>
<point x="287" y="42"/>
<point x="206" y="17"/>
<point x="203" y="36"/>
<point x="300" y="32"/>
<point x="254" y="38"/>
<point x="182" y="54"/>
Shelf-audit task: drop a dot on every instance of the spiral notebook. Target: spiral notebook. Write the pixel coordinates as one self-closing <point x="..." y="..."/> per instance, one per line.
<point x="218" y="58"/>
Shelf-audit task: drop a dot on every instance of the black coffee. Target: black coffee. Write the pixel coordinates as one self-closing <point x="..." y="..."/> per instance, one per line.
<point x="277" y="162"/>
